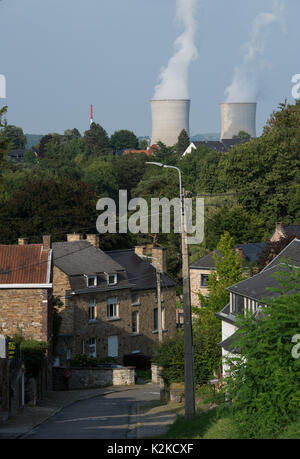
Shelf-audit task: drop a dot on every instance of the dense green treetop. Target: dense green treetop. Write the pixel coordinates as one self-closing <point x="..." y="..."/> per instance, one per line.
<point x="124" y="139"/>
<point x="14" y="136"/>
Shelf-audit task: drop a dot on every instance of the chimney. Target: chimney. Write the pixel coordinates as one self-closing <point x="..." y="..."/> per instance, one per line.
<point x="22" y="241"/>
<point x="140" y="250"/>
<point x="240" y="253"/>
<point x="46" y="243"/>
<point x="93" y="239"/>
<point x="159" y="259"/>
<point x="74" y="237"/>
<point x="279" y="233"/>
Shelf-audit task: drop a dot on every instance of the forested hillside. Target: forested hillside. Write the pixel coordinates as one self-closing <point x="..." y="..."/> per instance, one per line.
<point x="247" y="190"/>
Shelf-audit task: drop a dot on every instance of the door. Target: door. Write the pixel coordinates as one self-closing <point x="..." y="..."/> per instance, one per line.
<point x="112" y="346"/>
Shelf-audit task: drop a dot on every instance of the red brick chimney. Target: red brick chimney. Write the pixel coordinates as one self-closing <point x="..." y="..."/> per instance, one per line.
<point x="46" y="243"/>
<point x="22" y="241"/>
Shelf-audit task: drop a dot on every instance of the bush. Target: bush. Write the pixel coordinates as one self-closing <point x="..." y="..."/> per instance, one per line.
<point x="170" y="355"/>
<point x="139" y="361"/>
<point x="80" y="360"/>
<point x="33" y="355"/>
<point x="265" y="382"/>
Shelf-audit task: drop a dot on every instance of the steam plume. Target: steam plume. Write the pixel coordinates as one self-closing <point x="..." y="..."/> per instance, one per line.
<point x="174" y="78"/>
<point x="244" y="87"/>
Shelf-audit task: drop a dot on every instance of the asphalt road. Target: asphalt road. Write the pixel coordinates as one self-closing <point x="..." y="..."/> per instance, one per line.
<point x="103" y="417"/>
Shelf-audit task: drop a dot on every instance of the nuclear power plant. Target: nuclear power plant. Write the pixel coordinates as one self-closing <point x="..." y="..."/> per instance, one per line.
<point x="237" y="117"/>
<point x="169" y="118"/>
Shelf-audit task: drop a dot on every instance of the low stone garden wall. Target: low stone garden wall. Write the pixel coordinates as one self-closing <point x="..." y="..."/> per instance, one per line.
<point x="86" y="378"/>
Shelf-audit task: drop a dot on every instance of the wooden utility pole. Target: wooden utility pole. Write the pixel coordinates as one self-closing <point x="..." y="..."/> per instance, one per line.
<point x="189" y="381"/>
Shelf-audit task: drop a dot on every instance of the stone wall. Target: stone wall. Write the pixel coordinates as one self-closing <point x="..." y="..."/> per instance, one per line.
<point x="86" y="378"/>
<point x="26" y="311"/>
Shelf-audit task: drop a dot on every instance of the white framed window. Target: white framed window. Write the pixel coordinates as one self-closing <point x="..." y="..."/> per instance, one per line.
<point x="135" y="324"/>
<point x="92" y="309"/>
<point x="112" y="308"/>
<point x="156" y="318"/>
<point x="92" y="347"/>
<point x="113" y="346"/>
<point x="82" y="347"/>
<point x="91" y="281"/>
<point x="112" y="279"/>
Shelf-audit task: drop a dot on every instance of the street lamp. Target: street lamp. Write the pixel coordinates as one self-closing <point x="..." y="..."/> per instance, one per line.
<point x="189" y="381"/>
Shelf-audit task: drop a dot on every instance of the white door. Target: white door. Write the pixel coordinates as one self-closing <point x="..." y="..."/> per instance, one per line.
<point x="112" y="346"/>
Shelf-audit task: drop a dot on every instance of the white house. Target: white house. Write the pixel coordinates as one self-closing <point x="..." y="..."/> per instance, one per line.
<point x="252" y="295"/>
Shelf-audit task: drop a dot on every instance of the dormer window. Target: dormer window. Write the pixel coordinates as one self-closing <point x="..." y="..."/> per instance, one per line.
<point x="112" y="279"/>
<point x="91" y="281"/>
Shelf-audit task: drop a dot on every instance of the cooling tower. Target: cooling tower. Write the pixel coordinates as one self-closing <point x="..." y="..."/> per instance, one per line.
<point x="238" y="117"/>
<point x="169" y="118"/>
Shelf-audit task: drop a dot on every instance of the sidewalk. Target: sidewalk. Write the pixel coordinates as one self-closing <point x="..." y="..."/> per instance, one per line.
<point x="145" y="421"/>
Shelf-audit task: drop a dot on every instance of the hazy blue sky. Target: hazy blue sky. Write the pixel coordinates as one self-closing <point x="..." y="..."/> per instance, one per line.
<point x="59" y="56"/>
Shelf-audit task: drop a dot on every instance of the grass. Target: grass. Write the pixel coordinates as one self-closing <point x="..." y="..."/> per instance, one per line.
<point x="205" y="424"/>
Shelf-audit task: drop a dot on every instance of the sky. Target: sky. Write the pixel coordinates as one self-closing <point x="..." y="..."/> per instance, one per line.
<point x="60" y="56"/>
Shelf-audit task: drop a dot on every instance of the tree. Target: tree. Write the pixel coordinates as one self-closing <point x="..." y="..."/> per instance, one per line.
<point x="272" y="249"/>
<point x="97" y="141"/>
<point x="14" y="136"/>
<point x="124" y="139"/>
<point x="183" y="142"/>
<point x="242" y="135"/>
<point x="143" y="145"/>
<point x="264" y="384"/>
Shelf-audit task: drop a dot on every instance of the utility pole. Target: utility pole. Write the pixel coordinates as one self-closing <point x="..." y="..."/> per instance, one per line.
<point x="189" y="380"/>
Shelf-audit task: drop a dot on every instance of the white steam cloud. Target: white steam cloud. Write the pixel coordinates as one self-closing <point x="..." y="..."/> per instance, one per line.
<point x="245" y="84"/>
<point x="174" y="78"/>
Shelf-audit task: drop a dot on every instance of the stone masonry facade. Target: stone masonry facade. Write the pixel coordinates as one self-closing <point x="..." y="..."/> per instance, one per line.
<point x="77" y="330"/>
<point x="26" y="311"/>
<point x="196" y="285"/>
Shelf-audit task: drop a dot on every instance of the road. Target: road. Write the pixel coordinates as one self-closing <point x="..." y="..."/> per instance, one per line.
<point x="102" y="417"/>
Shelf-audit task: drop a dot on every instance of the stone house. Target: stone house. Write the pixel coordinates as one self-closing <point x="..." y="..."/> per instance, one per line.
<point x="252" y="295"/>
<point x="109" y="299"/>
<point x="26" y="290"/>
<point x="201" y="269"/>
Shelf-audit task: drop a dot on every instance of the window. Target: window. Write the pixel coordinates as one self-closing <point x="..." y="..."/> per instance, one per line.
<point x="156" y="318"/>
<point x="68" y="354"/>
<point x="112" y="308"/>
<point x="92" y="309"/>
<point x="112" y="345"/>
<point x="91" y="281"/>
<point x="92" y="347"/>
<point x="135" y="322"/>
<point x="135" y="299"/>
<point x="204" y="279"/>
<point x="237" y="304"/>
<point x="112" y="279"/>
<point x="82" y="347"/>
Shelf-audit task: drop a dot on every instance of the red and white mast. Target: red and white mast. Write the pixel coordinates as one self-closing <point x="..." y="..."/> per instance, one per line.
<point x="91" y="115"/>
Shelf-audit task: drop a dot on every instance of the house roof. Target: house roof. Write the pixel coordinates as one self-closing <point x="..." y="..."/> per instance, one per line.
<point x="251" y="252"/>
<point x="141" y="273"/>
<point x="206" y="262"/>
<point x="79" y="258"/>
<point x="257" y="287"/>
<point x="24" y="264"/>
